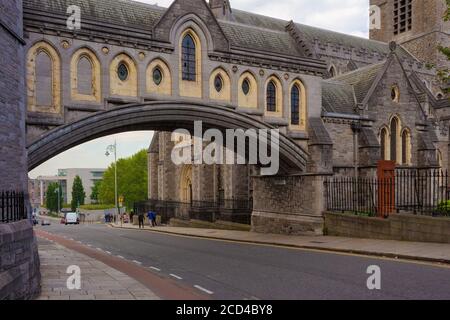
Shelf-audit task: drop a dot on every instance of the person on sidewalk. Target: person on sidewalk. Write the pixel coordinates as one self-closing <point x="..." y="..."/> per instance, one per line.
<point x="141" y="220"/>
<point x="154" y="219"/>
<point x="149" y="217"/>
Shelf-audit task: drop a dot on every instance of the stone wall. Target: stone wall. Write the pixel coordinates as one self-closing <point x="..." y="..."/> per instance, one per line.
<point x="288" y="205"/>
<point x="19" y="263"/>
<point x="403" y="227"/>
<point x="13" y="158"/>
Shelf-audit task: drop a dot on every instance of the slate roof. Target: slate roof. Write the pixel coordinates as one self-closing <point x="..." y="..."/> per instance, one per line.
<point x="119" y="12"/>
<point x="318" y="134"/>
<point x="339" y="93"/>
<point x="247" y="30"/>
<point x="255" y="38"/>
<point x="338" y="98"/>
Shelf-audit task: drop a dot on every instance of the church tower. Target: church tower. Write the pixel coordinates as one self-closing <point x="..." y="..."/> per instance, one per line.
<point x="416" y="24"/>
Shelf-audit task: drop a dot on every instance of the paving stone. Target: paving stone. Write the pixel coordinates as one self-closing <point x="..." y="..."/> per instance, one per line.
<point x="98" y="281"/>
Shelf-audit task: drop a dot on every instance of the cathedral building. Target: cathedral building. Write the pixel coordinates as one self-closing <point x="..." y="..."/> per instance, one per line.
<point x="347" y="101"/>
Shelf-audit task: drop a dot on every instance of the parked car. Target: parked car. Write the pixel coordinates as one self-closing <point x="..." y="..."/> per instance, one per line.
<point x="72" y="218"/>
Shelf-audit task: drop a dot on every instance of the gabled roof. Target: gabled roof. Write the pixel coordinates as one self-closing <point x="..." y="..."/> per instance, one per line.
<point x="119" y="12"/>
<point x="361" y="79"/>
<point x="245" y="31"/>
<point x="343" y="93"/>
<point x="255" y="38"/>
<point x="338" y="98"/>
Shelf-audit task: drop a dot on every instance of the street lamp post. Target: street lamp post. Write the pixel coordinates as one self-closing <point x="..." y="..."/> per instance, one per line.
<point x="113" y="148"/>
<point x="59" y="199"/>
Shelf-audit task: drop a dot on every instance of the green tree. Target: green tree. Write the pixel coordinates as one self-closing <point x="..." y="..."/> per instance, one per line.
<point x="95" y="191"/>
<point x="51" y="198"/>
<point x="444" y="73"/>
<point x="132" y="178"/>
<point x="78" y="194"/>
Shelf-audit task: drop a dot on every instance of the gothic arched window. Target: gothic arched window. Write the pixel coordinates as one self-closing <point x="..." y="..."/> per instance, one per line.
<point x="384" y="142"/>
<point x="394" y="142"/>
<point x="406" y="147"/>
<point x="332" y="72"/>
<point x="271" y="97"/>
<point x="44" y="79"/>
<point x="85" y="76"/>
<point x="188" y="58"/>
<point x="295" y="105"/>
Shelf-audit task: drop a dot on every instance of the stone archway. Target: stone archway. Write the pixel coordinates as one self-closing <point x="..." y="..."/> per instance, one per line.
<point x="158" y="116"/>
<point x="186" y="184"/>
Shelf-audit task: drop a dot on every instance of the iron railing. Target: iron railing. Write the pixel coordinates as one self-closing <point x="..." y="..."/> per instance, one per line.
<point x="423" y="192"/>
<point x="238" y="211"/>
<point x="12" y="206"/>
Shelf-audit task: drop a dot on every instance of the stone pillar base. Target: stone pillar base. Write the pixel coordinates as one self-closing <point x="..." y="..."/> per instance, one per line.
<point x="289" y="224"/>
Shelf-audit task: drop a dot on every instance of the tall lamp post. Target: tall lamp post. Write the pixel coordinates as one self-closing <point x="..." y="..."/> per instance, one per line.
<point x="110" y="149"/>
<point x="59" y="199"/>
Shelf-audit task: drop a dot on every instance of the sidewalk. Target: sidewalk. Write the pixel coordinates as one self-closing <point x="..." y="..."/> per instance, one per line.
<point x="98" y="281"/>
<point x="420" y="251"/>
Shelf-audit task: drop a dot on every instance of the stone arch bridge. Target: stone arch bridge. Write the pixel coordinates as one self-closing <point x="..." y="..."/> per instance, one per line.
<point x="157" y="116"/>
<point x="292" y="199"/>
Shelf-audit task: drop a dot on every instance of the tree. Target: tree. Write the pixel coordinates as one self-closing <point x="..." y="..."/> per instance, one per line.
<point x="51" y="198"/>
<point x="444" y="73"/>
<point x="132" y="178"/>
<point x="78" y="194"/>
<point x="95" y="191"/>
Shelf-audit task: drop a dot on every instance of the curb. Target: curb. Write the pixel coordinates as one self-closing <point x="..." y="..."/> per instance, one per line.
<point x="331" y="250"/>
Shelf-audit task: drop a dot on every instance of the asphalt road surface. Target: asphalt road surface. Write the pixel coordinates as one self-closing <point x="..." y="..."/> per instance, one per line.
<point x="229" y="270"/>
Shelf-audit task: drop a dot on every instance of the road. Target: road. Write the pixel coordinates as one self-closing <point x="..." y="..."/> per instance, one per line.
<point x="229" y="270"/>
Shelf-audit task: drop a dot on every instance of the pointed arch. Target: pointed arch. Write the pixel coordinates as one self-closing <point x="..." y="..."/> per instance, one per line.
<point x="395" y="127"/>
<point x="164" y="85"/>
<point x="274" y="96"/>
<point x="298" y="105"/>
<point x="223" y="92"/>
<point x="85" y="80"/>
<point x="332" y="71"/>
<point x="248" y="90"/>
<point x="190" y="71"/>
<point x="44" y="79"/>
<point x="406" y="146"/>
<point x="186" y="184"/>
<point x="123" y="76"/>
<point x="385" y="143"/>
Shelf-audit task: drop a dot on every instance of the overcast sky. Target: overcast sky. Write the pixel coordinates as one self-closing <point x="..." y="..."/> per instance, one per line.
<point x="348" y="16"/>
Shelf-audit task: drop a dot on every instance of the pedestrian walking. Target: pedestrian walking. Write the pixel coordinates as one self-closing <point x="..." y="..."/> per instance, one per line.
<point x="153" y="219"/>
<point x="141" y="220"/>
<point x="150" y="218"/>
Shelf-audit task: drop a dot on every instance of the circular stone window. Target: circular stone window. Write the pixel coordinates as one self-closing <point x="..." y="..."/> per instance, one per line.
<point x="218" y="83"/>
<point x="157" y="76"/>
<point x="122" y="71"/>
<point x="246" y="86"/>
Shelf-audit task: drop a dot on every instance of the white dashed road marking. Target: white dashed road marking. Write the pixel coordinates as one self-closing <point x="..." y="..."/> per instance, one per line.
<point x="203" y="289"/>
<point x="120" y="257"/>
<point x="176" y="277"/>
<point x="108" y="252"/>
<point x="137" y="262"/>
<point x="156" y="269"/>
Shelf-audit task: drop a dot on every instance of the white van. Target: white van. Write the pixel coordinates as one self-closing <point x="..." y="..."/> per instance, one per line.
<point x="72" y="218"/>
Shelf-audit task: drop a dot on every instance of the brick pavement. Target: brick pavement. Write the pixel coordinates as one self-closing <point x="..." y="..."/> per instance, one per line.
<point x="98" y="281"/>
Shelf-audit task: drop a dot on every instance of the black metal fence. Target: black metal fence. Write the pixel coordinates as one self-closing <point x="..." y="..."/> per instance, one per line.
<point x="12" y="206"/>
<point x="423" y="192"/>
<point x="238" y="211"/>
